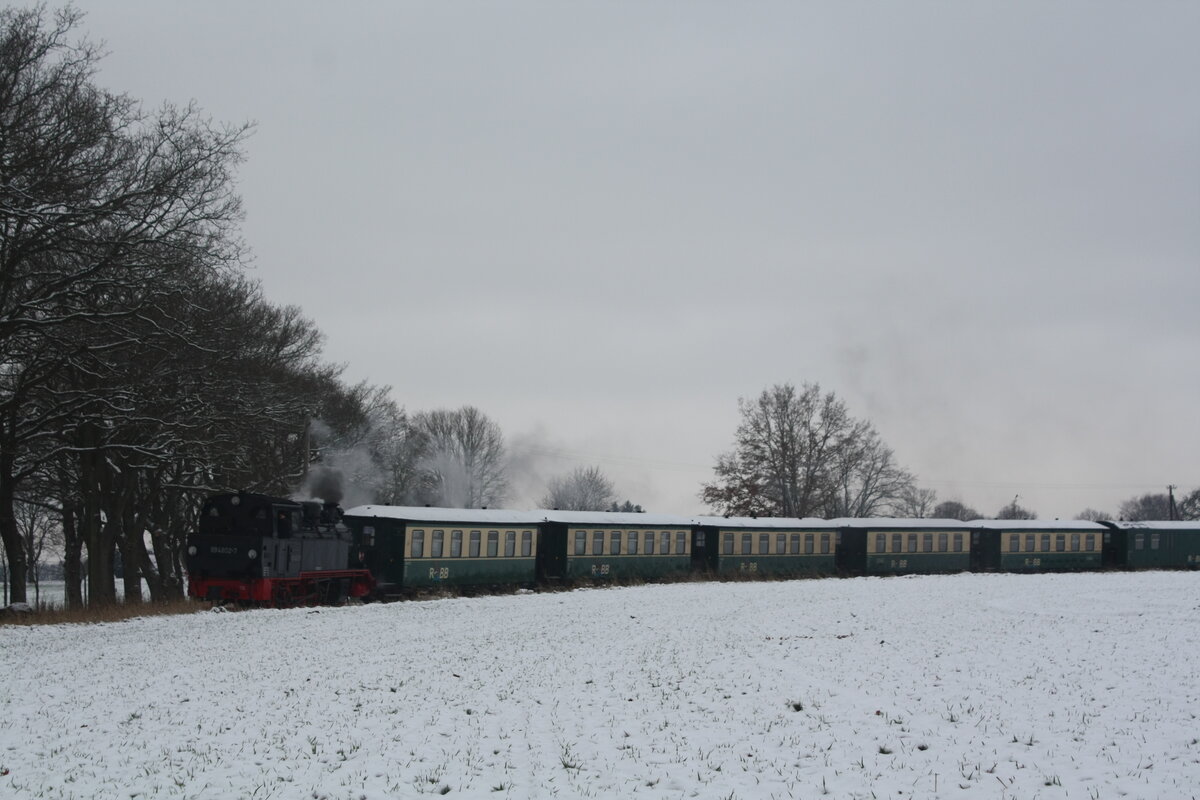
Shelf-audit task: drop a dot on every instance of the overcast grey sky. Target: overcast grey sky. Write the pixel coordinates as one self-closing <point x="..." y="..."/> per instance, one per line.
<point x="602" y="223"/>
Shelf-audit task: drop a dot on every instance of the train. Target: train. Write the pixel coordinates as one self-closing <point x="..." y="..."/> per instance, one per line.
<point x="253" y="549"/>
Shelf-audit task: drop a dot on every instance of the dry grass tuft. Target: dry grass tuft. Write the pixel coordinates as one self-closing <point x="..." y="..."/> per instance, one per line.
<point x="57" y="615"/>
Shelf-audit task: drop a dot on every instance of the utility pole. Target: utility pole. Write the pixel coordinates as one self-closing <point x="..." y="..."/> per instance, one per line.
<point x="1171" y="502"/>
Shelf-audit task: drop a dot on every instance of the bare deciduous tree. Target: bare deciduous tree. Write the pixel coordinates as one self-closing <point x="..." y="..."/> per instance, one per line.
<point x="1189" y="506"/>
<point x="462" y="458"/>
<point x="583" y="489"/>
<point x="954" y="509"/>
<point x="1146" y="508"/>
<point x="865" y="479"/>
<point x="1015" y="511"/>
<point x="915" y="503"/>
<point x="800" y="454"/>
<point x="39" y="528"/>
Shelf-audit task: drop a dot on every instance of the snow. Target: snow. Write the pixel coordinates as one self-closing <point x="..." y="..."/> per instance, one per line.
<point x="788" y="523"/>
<point x="1158" y="526"/>
<point x="464" y="516"/>
<point x="965" y="686"/>
<point x="1038" y="525"/>
<point x="889" y="523"/>
<point x="621" y="518"/>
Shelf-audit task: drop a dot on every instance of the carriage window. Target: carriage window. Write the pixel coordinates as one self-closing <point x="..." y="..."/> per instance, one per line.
<point x="456" y="544"/>
<point x="958" y="542"/>
<point x="493" y="543"/>
<point x="927" y="542"/>
<point x="1015" y="543"/>
<point x="897" y="542"/>
<point x="1139" y="541"/>
<point x="632" y="540"/>
<point x="665" y="543"/>
<point x="781" y="543"/>
<point x="881" y="543"/>
<point x="597" y="543"/>
<point x="1089" y="542"/>
<point x="614" y="541"/>
<point x="943" y="542"/>
<point x="1074" y="542"/>
<point x="1060" y="542"/>
<point x="1154" y="541"/>
<point x="439" y="538"/>
<point x="825" y="543"/>
<point x="764" y="543"/>
<point x="417" y="548"/>
<point x="1045" y="543"/>
<point x="474" y="551"/>
<point x="650" y="543"/>
<point x="727" y="544"/>
<point x="912" y="543"/>
<point x="580" y="543"/>
<point x="680" y="543"/>
<point x="747" y="544"/>
<point x="368" y="536"/>
<point x="1031" y="542"/>
<point x="795" y="548"/>
<point x="808" y="543"/>
<point x="510" y="544"/>
<point x="526" y="543"/>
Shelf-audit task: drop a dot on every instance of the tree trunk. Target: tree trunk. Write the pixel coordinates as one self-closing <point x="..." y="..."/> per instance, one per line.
<point x="14" y="542"/>
<point x="125" y="535"/>
<point x="102" y="589"/>
<point x="135" y="527"/>
<point x="131" y="573"/>
<point x="72" y="555"/>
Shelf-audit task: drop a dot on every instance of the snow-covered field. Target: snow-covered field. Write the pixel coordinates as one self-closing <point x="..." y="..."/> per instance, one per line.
<point x="970" y="686"/>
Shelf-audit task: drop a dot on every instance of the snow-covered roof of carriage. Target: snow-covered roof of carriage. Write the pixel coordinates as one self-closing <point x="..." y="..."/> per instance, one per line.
<point x="1159" y="525"/>
<point x="889" y="522"/>
<point x="465" y="516"/>
<point x="488" y="516"/>
<point x="1036" y="525"/>
<point x="792" y="523"/>
<point x="615" y="518"/>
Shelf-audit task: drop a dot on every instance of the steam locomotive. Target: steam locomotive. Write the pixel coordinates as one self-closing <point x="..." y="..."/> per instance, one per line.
<point x="259" y="550"/>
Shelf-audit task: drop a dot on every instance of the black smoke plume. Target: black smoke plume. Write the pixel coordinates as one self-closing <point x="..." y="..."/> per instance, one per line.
<point x="324" y="483"/>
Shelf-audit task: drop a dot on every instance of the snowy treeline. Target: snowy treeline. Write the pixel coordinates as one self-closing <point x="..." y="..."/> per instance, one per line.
<point x="139" y="367"/>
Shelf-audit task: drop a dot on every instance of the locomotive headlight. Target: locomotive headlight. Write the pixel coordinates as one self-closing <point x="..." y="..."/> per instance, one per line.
<point x="253" y="554"/>
<point x="191" y="550"/>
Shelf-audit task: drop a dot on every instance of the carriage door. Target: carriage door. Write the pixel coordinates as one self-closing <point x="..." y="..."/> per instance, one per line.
<point x="551" y="551"/>
<point x="704" y="544"/>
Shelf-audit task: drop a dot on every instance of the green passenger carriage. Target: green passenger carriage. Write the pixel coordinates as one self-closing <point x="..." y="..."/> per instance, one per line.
<point x="1152" y="545"/>
<point x="602" y="545"/>
<point x="411" y="547"/>
<point x="904" y="546"/>
<point x="767" y="547"/>
<point x="1032" y="545"/>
